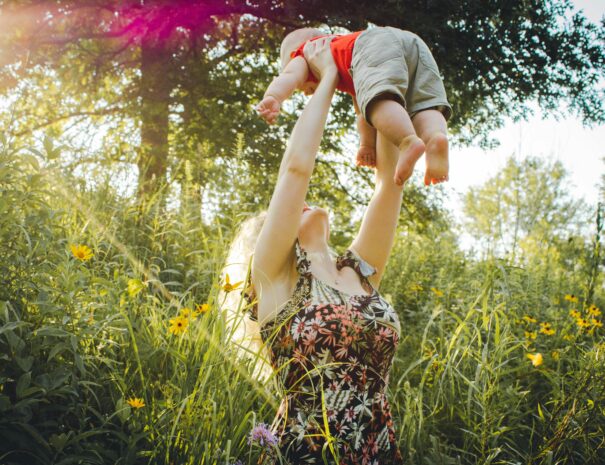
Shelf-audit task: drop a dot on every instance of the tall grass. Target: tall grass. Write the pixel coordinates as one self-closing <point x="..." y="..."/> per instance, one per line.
<point x="80" y="338"/>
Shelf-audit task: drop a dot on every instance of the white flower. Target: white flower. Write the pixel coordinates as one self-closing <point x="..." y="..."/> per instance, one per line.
<point x="298" y="328"/>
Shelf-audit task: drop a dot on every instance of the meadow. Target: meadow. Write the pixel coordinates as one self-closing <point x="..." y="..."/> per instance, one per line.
<point x="115" y="348"/>
<point x="130" y="153"/>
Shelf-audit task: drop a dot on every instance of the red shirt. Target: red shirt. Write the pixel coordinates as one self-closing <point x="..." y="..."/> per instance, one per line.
<point x="342" y="51"/>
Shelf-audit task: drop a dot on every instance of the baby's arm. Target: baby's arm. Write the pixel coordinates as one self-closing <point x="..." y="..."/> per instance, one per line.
<point x="282" y="87"/>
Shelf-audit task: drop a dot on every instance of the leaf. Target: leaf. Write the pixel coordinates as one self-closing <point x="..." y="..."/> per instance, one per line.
<point x="51" y="331"/>
<point x="23" y="384"/>
<point x="58" y="441"/>
<point x="12" y="325"/>
<point x="25" y="363"/>
<point x="123" y="410"/>
<point x="32" y="160"/>
<point x="55" y="350"/>
<point x="48" y="146"/>
<point x="5" y="403"/>
<point x="540" y="412"/>
<point x="80" y="364"/>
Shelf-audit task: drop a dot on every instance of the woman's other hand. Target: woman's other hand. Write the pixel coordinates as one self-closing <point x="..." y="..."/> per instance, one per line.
<point x="319" y="57"/>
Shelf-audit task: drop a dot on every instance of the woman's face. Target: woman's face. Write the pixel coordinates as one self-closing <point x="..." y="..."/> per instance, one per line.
<point x="314" y="222"/>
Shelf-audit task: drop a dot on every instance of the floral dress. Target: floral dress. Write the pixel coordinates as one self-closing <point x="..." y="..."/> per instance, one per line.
<point x="333" y="353"/>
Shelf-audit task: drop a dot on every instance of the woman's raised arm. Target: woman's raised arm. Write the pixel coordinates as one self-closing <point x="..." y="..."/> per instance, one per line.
<point x="276" y="240"/>
<point x="374" y="240"/>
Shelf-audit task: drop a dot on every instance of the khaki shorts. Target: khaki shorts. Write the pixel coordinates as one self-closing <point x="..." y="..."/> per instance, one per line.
<point x="392" y="63"/>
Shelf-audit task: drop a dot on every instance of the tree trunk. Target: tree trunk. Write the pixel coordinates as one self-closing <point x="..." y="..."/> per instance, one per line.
<point x="155" y="93"/>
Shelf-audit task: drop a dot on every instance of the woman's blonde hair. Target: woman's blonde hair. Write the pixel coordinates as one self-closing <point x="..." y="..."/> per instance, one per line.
<point x="243" y="331"/>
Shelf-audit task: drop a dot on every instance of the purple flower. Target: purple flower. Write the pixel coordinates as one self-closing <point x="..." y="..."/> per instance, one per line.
<point x="261" y="434"/>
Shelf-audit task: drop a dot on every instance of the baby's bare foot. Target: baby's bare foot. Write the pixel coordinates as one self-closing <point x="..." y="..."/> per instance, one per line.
<point x="411" y="149"/>
<point x="437" y="165"/>
<point x="366" y="156"/>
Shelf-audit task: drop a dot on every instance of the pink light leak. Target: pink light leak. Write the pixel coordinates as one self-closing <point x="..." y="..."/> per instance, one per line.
<point x="152" y="22"/>
<point x="156" y="23"/>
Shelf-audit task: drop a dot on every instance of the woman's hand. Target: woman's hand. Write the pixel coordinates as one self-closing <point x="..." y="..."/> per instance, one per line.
<point x="319" y="57"/>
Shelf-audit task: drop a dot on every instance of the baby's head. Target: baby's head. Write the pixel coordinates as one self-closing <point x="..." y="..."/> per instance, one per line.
<point x="293" y="40"/>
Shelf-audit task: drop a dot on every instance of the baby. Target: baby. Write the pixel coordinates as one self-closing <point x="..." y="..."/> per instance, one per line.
<point x="387" y="71"/>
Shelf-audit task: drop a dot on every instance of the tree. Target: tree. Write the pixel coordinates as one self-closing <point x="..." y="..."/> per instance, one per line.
<point x="171" y="76"/>
<point x="528" y="197"/>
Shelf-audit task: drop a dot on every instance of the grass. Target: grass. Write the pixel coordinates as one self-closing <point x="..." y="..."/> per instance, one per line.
<point x="81" y="337"/>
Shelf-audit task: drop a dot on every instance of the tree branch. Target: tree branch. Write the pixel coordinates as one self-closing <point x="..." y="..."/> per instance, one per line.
<point x="107" y="111"/>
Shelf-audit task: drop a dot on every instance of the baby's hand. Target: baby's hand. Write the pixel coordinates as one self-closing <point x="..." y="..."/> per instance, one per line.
<point x="268" y="109"/>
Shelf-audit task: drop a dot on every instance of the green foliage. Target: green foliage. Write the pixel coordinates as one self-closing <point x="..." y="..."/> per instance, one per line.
<point x="187" y="74"/>
<point x="81" y="337"/>
<point x="524" y="204"/>
<point x="463" y="387"/>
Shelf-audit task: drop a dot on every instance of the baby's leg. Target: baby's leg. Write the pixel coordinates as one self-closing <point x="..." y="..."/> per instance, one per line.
<point x="366" y="155"/>
<point x="390" y="118"/>
<point x="431" y="126"/>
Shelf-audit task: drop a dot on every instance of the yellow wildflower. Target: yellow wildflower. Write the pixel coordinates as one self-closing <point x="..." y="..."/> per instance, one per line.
<point x="555" y="355"/>
<point x="416" y="287"/>
<point x="530" y="334"/>
<point x="201" y="308"/>
<point x="574" y="314"/>
<point x="568" y="337"/>
<point x="437" y="292"/>
<point x="536" y="359"/>
<point x="593" y="310"/>
<point x="136" y="402"/>
<point x="596" y="323"/>
<point x="545" y="328"/>
<point x="529" y="319"/>
<point x="81" y="252"/>
<point x="571" y="298"/>
<point x="582" y="322"/>
<point x="178" y="325"/>
<point x="186" y="312"/>
<point x="228" y="286"/>
<point x="135" y="286"/>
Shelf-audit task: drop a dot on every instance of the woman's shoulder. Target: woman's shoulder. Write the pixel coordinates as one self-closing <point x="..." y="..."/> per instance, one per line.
<point x="350" y="257"/>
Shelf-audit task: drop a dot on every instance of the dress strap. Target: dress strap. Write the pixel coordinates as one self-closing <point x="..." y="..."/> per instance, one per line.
<point x="351" y="259"/>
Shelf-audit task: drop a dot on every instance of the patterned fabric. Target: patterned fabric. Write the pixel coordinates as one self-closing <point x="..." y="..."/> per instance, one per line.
<point x="333" y="350"/>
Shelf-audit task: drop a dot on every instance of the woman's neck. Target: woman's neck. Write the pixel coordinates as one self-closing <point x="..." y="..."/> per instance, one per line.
<point x="317" y="248"/>
<point x="321" y="254"/>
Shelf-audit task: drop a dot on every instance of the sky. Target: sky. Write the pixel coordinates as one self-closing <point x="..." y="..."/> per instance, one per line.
<point x="580" y="149"/>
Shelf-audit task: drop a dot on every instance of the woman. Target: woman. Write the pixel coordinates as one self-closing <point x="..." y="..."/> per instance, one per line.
<point x="331" y="336"/>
